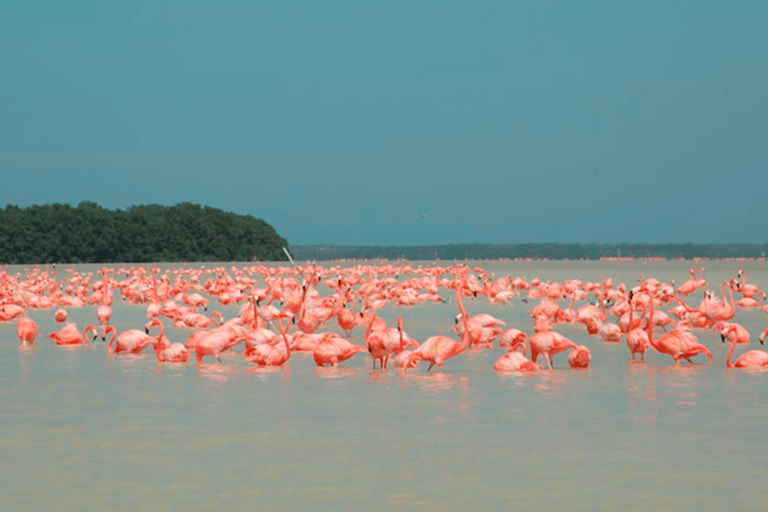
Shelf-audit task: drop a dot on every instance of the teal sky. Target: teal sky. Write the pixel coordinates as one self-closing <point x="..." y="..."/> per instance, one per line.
<point x="398" y="122"/>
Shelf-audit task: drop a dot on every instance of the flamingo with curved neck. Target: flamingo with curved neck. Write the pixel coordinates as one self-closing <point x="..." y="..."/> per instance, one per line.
<point x="679" y="343"/>
<point x="751" y="359"/>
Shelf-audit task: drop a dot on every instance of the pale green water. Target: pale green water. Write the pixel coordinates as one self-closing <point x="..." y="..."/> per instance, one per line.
<point x="84" y="430"/>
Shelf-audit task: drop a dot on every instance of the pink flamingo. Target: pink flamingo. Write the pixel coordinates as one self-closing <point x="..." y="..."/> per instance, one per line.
<point x="218" y="340"/>
<point x="303" y="342"/>
<point x="195" y="300"/>
<point x="747" y="290"/>
<point x="104" y="313"/>
<point x="749" y="302"/>
<point x="734" y="331"/>
<point x="637" y="338"/>
<point x="167" y="352"/>
<point x="374" y="342"/>
<point x="439" y="349"/>
<point x="70" y="335"/>
<point x="691" y="284"/>
<point x="514" y="361"/>
<point x="751" y="359"/>
<point x="579" y="357"/>
<point x="549" y="343"/>
<point x="26" y="330"/>
<point x="610" y="332"/>
<point x="132" y="341"/>
<point x="265" y="354"/>
<point x="679" y="343"/>
<point x="402" y="359"/>
<point x="61" y="316"/>
<point x="333" y="349"/>
<point x="721" y="312"/>
<point x="512" y="337"/>
<point x="198" y="320"/>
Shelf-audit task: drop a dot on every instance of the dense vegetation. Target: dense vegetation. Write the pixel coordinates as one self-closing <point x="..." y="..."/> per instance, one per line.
<point x="537" y="251"/>
<point x="92" y="234"/>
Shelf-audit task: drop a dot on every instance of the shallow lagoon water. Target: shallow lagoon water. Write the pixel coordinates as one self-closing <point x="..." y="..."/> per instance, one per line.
<point x="82" y="429"/>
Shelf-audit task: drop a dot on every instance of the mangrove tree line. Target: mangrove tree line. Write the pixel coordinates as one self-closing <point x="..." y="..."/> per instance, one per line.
<point x="89" y="233"/>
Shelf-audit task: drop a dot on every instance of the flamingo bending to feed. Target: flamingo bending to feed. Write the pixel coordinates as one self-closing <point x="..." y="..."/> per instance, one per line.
<point x="26" y="330"/>
<point x="104" y="313"/>
<point x="579" y="357"/>
<point x="549" y="343"/>
<point x="514" y="361"/>
<point x="332" y="349"/>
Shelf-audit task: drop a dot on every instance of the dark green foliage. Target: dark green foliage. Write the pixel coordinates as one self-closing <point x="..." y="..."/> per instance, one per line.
<point x="91" y="234"/>
<point x="550" y="251"/>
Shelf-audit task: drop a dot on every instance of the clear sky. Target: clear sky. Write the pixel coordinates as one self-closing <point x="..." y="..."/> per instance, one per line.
<point x="398" y="122"/>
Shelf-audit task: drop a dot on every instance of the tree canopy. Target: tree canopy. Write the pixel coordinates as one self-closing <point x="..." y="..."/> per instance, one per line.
<point x="89" y="233"/>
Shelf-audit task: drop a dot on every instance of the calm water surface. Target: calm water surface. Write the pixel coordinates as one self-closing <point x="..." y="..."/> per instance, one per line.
<point x="85" y="430"/>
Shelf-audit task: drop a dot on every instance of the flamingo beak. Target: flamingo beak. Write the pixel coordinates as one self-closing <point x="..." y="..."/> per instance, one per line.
<point x="722" y="338"/>
<point x="761" y="338"/>
<point x="146" y="330"/>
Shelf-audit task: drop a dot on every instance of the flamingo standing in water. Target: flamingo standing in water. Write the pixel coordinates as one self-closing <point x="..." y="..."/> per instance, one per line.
<point x="512" y="337"/>
<point x="132" y="341"/>
<point x="402" y="359"/>
<point x="579" y="357"/>
<point x="438" y="349"/>
<point x="679" y="343"/>
<point x="61" y="316"/>
<point x="332" y="349"/>
<point x="374" y="342"/>
<point x="264" y="354"/>
<point x="167" y="352"/>
<point x="637" y="338"/>
<point x="747" y="290"/>
<point x="514" y="361"/>
<point x="734" y="332"/>
<point x="26" y="330"/>
<point x="751" y="359"/>
<point x="70" y="335"/>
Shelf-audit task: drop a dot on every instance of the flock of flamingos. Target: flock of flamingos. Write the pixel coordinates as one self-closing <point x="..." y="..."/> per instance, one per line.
<point x="276" y="300"/>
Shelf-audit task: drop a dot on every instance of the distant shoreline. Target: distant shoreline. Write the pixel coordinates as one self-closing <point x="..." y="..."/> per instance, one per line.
<point x="533" y="252"/>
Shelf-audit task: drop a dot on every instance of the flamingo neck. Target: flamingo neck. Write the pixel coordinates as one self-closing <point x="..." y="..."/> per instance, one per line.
<point x="111" y="338"/>
<point x="159" y="336"/>
<point x="465" y="322"/>
<point x="370" y="323"/>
